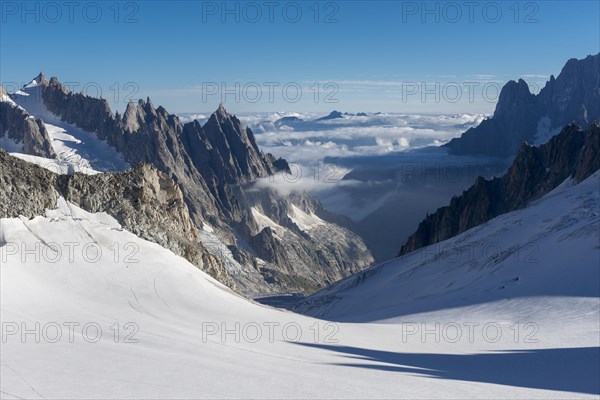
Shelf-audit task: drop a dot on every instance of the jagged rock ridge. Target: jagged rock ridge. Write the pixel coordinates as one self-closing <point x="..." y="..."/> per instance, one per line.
<point x="574" y="153"/>
<point x="200" y="158"/>
<point x="302" y="235"/>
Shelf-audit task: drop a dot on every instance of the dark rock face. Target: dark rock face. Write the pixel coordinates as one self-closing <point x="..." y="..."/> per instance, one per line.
<point x="573" y="97"/>
<point x="143" y="200"/>
<point x="23" y="129"/>
<point x="535" y="172"/>
<point x="214" y="165"/>
<point x="28" y="197"/>
<point x="589" y="160"/>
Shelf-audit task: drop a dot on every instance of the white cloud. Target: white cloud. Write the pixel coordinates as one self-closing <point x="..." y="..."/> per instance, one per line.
<point x="306" y="178"/>
<point x="536" y="76"/>
<point x="354" y="136"/>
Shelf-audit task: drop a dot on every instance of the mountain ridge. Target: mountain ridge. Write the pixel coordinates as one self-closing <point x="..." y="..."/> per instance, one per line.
<point x="534" y="172"/>
<point x="572" y="97"/>
<point x="215" y="165"/>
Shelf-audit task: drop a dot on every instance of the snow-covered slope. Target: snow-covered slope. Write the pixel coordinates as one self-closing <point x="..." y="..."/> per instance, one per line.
<point x="305" y="221"/>
<point x="541" y="262"/>
<point x="5" y="97"/>
<point x="76" y="149"/>
<point x="181" y="334"/>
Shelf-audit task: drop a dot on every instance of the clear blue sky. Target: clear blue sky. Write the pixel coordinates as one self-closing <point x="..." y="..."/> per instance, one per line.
<point x="377" y="54"/>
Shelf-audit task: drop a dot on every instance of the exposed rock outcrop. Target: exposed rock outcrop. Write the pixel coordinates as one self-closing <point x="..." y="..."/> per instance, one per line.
<point x="143" y="200"/>
<point x="21" y="128"/>
<point x="574" y="153"/>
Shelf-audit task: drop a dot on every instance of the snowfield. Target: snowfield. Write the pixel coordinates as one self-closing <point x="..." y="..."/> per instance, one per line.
<point x="89" y="310"/>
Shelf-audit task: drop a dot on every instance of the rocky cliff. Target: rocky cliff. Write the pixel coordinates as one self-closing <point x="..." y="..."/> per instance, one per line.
<point x="572" y="97"/>
<point x="574" y="153"/>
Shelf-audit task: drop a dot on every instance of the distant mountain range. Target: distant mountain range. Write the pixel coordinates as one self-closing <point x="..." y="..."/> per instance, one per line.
<point x="264" y="243"/>
<point x="572" y="97"/>
<point x="541" y="214"/>
<point x="296" y="121"/>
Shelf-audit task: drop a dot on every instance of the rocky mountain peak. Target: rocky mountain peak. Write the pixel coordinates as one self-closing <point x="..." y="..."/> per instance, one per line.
<point x="221" y="117"/>
<point x="221" y="111"/>
<point x="130" y="107"/>
<point x="332" y="115"/>
<point x="512" y="95"/>
<point x="56" y="87"/>
<point x="570" y="66"/>
<point x="235" y="156"/>
<point x="130" y="122"/>
<point x="41" y="79"/>
<point x="149" y="108"/>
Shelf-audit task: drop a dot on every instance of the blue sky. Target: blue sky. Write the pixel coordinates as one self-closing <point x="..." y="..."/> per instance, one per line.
<point x="356" y="55"/>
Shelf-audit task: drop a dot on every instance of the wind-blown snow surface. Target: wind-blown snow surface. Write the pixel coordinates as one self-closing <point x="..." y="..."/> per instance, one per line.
<point x="72" y="267"/>
<point x="77" y="150"/>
